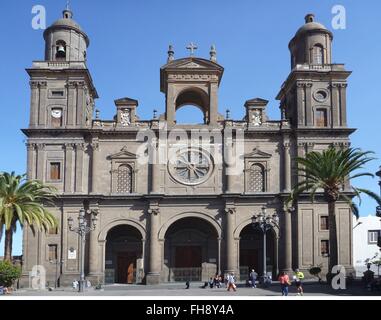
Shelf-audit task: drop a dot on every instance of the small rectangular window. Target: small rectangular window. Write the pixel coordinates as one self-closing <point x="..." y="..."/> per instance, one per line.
<point x="57" y="93"/>
<point x="53" y="252"/>
<point x="324" y="247"/>
<point x="324" y="223"/>
<point x="55" y="171"/>
<point x="373" y="236"/>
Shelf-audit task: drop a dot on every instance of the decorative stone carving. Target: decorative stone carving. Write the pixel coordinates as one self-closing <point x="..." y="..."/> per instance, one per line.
<point x="154" y="211"/>
<point x="256" y="118"/>
<point x="191" y="167"/>
<point x="125" y="117"/>
<point x="230" y="210"/>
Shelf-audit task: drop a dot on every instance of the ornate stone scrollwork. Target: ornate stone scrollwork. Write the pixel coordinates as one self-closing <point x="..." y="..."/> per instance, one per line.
<point x="154" y="211"/>
<point x="230" y="210"/>
<point x="40" y="146"/>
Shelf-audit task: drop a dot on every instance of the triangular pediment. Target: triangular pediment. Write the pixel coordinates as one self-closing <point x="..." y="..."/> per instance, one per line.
<point x="192" y="63"/>
<point x="126" y="101"/>
<point x="123" y="154"/>
<point x="256" y="153"/>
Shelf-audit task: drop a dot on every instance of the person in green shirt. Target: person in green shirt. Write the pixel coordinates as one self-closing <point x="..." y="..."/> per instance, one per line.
<point x="298" y="277"/>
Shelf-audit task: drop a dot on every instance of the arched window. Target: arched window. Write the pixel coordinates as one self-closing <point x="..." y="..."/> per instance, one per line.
<point x="256" y="178"/>
<point x="61" y="49"/>
<point x="192" y="107"/>
<point x="317" y="54"/>
<point x="124" y="178"/>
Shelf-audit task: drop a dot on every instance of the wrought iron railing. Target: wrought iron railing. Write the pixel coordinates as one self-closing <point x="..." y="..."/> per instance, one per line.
<point x="185" y="274"/>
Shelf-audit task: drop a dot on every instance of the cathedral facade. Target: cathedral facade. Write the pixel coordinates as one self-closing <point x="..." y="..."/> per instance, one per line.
<point x="178" y="202"/>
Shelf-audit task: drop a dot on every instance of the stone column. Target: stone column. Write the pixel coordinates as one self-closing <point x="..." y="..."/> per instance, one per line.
<point x="343" y="104"/>
<point x="213" y="105"/>
<point x="71" y="97"/>
<point x="170" y="105"/>
<point x="42" y="104"/>
<point x="94" y="174"/>
<point x="308" y="98"/>
<point x="153" y="276"/>
<point x="287" y="240"/>
<point x="31" y="164"/>
<point x="335" y="103"/>
<point x="219" y="255"/>
<point x="230" y="242"/>
<point x="156" y="173"/>
<point x="34" y="99"/>
<point x="228" y="159"/>
<point x="287" y="167"/>
<point x="301" y="103"/>
<point x="301" y="154"/>
<point x="80" y="103"/>
<point x="68" y="185"/>
<point x="94" y="255"/>
<point x="79" y="167"/>
<point x="40" y="162"/>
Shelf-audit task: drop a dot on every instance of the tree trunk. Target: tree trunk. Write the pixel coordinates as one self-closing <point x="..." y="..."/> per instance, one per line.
<point x="8" y="244"/>
<point x="333" y="246"/>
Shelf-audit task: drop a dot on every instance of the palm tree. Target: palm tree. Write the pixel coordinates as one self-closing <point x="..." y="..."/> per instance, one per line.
<point x="329" y="171"/>
<point x="23" y="201"/>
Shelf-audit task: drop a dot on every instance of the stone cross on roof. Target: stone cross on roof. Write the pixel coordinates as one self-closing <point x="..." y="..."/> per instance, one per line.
<point x="192" y="47"/>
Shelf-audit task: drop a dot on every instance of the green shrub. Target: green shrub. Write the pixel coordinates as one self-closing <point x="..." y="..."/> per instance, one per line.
<point x="8" y="273"/>
<point x="316" y="271"/>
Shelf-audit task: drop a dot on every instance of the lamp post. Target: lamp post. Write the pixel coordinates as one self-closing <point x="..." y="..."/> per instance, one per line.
<point x="82" y="230"/>
<point x="265" y="222"/>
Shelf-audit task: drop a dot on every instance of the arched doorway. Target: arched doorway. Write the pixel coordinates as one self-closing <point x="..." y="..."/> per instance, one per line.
<point x="251" y="252"/>
<point x="124" y="255"/>
<point x="190" y="250"/>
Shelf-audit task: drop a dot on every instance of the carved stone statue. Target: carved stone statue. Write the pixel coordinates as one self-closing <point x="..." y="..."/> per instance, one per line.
<point x="256" y="118"/>
<point x="125" y="117"/>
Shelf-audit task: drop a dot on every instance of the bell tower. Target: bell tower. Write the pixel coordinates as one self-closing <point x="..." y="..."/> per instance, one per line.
<point x="314" y="94"/>
<point x="62" y="90"/>
<point x="191" y="81"/>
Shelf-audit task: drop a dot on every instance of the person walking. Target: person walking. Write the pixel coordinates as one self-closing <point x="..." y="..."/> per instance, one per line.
<point x="284" y="283"/>
<point x="253" y="278"/>
<point x="298" y="277"/>
<point x="231" y="282"/>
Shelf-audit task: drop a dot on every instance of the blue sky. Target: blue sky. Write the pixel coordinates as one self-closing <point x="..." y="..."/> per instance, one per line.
<point x="129" y="41"/>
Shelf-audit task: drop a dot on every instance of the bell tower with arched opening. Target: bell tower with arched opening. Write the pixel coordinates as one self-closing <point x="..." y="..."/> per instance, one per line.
<point x="191" y="81"/>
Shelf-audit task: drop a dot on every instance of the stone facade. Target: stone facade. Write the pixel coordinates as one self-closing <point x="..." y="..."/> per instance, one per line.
<point x="183" y="214"/>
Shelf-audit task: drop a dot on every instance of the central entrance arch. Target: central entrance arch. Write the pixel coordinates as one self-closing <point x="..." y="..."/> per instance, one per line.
<point x="124" y="255"/>
<point x="190" y="250"/>
<point x="251" y="252"/>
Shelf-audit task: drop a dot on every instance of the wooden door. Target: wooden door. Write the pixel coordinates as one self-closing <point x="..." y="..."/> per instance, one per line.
<point x="188" y="257"/>
<point x="126" y="266"/>
<point x="249" y="258"/>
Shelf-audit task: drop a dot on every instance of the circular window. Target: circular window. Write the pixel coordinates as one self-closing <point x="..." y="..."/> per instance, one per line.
<point x="191" y="166"/>
<point x="321" y="95"/>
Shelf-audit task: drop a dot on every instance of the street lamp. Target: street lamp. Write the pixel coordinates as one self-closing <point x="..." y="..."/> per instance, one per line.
<point x="82" y="230"/>
<point x="265" y="222"/>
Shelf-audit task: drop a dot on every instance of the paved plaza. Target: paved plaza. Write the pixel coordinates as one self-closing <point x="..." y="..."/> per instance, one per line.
<point x="178" y="289"/>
